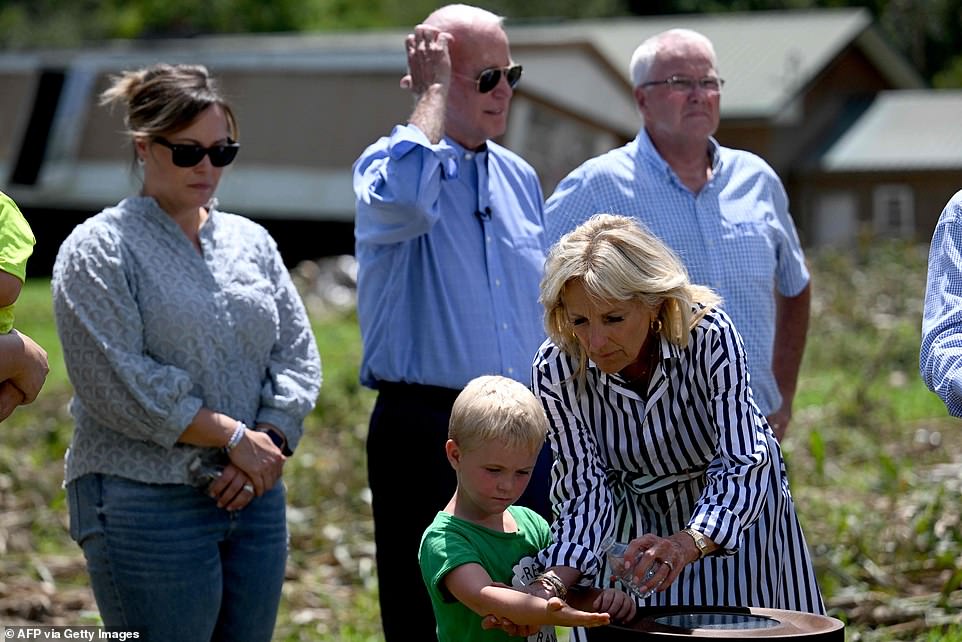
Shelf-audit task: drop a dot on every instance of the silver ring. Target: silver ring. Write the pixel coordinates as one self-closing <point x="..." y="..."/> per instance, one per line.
<point x="671" y="567"/>
<point x="249" y="488"/>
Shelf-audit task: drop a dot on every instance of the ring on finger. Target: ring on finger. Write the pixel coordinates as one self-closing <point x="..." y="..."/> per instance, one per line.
<point x="671" y="567"/>
<point x="249" y="488"/>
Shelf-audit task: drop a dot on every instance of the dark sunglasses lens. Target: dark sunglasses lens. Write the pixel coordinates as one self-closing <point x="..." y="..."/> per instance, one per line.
<point x="186" y="155"/>
<point x="488" y="80"/>
<point x="514" y="75"/>
<point x="222" y="155"/>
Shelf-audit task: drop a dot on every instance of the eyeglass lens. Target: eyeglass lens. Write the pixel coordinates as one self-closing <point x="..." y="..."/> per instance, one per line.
<point x="191" y="155"/>
<point x="685" y="84"/>
<point x="489" y="78"/>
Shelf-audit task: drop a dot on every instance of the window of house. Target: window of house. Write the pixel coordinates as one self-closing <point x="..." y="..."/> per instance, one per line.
<point x="893" y="210"/>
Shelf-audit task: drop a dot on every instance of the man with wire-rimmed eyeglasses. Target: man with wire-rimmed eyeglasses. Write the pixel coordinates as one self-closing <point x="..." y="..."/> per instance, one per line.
<point x="450" y="247"/>
<point x="724" y="211"/>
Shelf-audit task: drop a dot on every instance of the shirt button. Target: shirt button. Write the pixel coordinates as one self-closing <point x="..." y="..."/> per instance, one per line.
<point x="510" y="370"/>
<point x="504" y="326"/>
<point x="497" y="282"/>
<point x="487" y="238"/>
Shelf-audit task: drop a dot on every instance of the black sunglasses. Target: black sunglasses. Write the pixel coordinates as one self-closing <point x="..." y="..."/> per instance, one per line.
<point x="488" y="79"/>
<point x="190" y="155"/>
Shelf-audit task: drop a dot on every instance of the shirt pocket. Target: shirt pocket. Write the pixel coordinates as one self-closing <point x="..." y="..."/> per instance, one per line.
<point x="748" y="248"/>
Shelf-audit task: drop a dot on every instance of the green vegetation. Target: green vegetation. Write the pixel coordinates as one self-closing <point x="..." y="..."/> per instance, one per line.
<point x="871" y="454"/>
<point x="927" y="32"/>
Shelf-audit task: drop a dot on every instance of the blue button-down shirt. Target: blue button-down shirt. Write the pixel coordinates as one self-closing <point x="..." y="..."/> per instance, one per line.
<point x="940" y="361"/>
<point x="448" y="272"/>
<point x="735" y="235"/>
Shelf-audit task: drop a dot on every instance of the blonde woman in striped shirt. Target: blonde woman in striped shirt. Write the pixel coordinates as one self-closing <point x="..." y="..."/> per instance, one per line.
<point x="656" y="437"/>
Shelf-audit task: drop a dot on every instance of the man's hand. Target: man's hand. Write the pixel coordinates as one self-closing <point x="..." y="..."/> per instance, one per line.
<point x="429" y="61"/>
<point x="779" y="420"/>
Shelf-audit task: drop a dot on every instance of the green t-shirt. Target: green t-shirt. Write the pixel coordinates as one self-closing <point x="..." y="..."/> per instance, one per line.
<point x="509" y="558"/>
<point x="16" y="246"/>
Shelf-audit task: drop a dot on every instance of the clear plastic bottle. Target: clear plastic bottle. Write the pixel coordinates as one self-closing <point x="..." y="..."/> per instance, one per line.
<point x="615" y="554"/>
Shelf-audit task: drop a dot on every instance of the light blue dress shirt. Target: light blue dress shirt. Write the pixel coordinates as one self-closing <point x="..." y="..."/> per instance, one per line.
<point x="735" y="236"/>
<point x="940" y="361"/>
<point x="448" y="272"/>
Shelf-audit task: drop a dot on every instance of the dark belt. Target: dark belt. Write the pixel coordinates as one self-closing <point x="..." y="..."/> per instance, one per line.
<point x="419" y="392"/>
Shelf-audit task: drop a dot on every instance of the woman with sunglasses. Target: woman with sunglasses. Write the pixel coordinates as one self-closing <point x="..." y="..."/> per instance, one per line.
<point x="193" y="366"/>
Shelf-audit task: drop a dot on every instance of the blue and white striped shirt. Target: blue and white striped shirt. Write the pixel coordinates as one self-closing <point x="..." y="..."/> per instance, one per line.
<point x="735" y="236"/>
<point x="940" y="359"/>
<point x="694" y="451"/>
<point x="448" y="271"/>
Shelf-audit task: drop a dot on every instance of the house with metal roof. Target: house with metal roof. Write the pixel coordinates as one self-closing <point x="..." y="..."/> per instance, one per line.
<point x="798" y="86"/>
<point x="889" y="173"/>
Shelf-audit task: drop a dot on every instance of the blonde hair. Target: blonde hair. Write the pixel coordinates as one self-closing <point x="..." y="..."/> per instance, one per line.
<point x="163" y="99"/>
<point x="617" y="259"/>
<point x="492" y="408"/>
<point x="647" y="52"/>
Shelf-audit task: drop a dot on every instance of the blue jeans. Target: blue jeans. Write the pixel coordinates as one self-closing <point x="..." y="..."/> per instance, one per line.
<point x="165" y="561"/>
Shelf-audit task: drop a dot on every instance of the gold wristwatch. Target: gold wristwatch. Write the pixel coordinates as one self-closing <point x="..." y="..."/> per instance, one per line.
<point x="700" y="541"/>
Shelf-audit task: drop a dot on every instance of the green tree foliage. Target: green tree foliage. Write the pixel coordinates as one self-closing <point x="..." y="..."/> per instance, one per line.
<point x="928" y="32"/>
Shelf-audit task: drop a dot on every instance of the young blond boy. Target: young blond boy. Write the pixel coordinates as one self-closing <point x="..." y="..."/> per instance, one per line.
<point x="480" y="545"/>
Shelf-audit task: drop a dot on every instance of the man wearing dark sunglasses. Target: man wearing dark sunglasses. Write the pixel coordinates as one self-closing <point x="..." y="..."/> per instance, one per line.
<point x="450" y="249"/>
<point x="724" y="211"/>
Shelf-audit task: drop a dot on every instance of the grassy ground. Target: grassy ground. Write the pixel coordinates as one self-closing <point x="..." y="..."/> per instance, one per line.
<point x="875" y="464"/>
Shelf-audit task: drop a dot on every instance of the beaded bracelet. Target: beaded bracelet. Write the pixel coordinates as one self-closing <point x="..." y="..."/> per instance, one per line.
<point x="551" y="579"/>
<point x="236" y="437"/>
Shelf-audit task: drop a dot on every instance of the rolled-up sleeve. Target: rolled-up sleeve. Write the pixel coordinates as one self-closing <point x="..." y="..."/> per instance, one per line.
<point x="294" y="372"/>
<point x="397" y="186"/>
<point x="101" y="332"/>
<point x="581" y="498"/>
<point x="739" y="475"/>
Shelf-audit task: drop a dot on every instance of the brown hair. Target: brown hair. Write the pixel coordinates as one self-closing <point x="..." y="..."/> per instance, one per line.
<point x="162" y="98"/>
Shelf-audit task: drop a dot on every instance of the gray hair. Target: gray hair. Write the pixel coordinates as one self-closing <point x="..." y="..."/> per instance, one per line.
<point x="451" y="17"/>
<point x="647" y="52"/>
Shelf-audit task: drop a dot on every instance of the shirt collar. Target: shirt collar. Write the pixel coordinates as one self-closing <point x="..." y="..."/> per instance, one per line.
<point x="454" y="156"/>
<point x="648" y="153"/>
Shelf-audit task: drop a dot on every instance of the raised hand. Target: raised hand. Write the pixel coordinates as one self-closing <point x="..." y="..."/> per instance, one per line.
<point x="429" y="60"/>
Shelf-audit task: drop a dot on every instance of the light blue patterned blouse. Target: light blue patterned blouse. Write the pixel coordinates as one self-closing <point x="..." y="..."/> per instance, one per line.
<point x="152" y="331"/>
